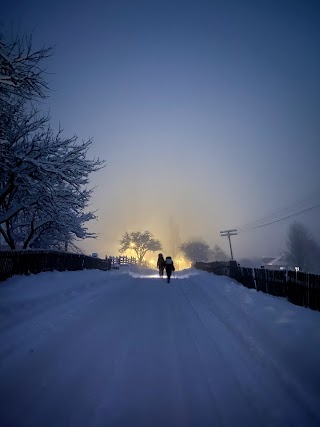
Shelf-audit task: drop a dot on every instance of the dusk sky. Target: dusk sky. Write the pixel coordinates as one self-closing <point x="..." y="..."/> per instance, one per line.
<point x="206" y="112"/>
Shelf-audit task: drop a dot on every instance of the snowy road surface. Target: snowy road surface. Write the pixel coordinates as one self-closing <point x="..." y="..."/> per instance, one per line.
<point x="95" y="348"/>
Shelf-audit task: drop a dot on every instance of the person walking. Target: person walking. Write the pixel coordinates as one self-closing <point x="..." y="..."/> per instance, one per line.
<point x="169" y="267"/>
<point x="161" y="264"/>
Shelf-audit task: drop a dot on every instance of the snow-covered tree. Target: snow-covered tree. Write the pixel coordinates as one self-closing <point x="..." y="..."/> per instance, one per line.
<point x="44" y="178"/>
<point x="140" y="243"/>
<point x="22" y="72"/>
<point x="195" y="250"/>
<point x="56" y="224"/>
<point x="22" y="77"/>
<point x="302" y="250"/>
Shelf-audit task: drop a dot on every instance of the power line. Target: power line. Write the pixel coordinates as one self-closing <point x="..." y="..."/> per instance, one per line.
<point x="281" y="219"/>
<point x="273" y="215"/>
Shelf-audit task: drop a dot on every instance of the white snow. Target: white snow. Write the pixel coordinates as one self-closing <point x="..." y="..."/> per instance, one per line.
<point x="124" y="348"/>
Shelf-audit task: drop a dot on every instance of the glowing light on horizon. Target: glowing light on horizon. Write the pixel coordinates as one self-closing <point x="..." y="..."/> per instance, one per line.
<point x="175" y="276"/>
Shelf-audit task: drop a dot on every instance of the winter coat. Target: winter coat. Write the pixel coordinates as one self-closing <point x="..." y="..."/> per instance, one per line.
<point x="169" y="265"/>
<point x="161" y="263"/>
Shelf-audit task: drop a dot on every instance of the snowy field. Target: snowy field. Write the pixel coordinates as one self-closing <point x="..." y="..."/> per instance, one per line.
<point x="124" y="348"/>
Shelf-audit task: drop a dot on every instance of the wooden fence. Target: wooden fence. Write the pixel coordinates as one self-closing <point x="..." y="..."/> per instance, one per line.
<point x="121" y="260"/>
<point x="299" y="288"/>
<point x="33" y="262"/>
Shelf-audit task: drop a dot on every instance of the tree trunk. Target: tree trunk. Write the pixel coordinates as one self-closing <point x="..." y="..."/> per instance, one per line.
<point x="9" y="241"/>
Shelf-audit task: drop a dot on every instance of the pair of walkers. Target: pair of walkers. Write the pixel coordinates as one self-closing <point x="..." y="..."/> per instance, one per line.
<point x="165" y="264"/>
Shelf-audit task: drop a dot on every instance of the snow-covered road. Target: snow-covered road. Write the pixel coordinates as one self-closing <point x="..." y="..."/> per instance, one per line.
<point x="95" y="348"/>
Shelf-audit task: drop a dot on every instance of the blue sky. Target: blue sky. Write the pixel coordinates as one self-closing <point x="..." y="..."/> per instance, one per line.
<point x="205" y="111"/>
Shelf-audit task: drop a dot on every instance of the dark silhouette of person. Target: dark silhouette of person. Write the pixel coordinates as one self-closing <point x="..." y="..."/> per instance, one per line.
<point x="169" y="267"/>
<point x="161" y="264"/>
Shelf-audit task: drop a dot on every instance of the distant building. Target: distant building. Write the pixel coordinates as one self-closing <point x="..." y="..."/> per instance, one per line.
<point x="275" y="263"/>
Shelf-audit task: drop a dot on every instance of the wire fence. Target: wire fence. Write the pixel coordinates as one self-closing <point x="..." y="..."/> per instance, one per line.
<point x="297" y="287"/>
<point x="33" y="262"/>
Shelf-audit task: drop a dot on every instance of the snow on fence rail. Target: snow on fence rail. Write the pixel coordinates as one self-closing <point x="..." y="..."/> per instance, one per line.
<point x="299" y="288"/>
<point x="27" y="262"/>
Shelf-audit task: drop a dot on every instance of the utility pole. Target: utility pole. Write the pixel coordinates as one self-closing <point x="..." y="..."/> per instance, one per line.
<point x="228" y="233"/>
